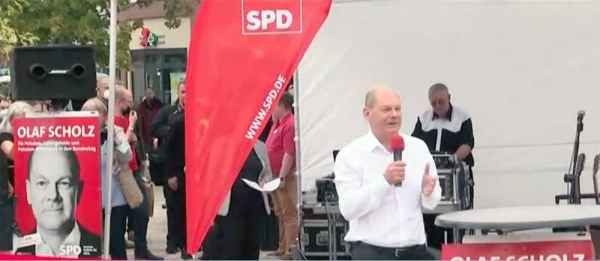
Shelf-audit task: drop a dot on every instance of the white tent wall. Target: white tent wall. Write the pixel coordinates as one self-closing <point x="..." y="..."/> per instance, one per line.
<point x="523" y="69"/>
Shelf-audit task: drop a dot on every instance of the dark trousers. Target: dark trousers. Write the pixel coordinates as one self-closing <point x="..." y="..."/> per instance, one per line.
<point x="362" y="251"/>
<point x="178" y="220"/>
<point x="237" y="236"/>
<point x="169" y="198"/>
<point x="6" y="222"/>
<point x="139" y="218"/>
<point x="118" y="225"/>
<point x="436" y="236"/>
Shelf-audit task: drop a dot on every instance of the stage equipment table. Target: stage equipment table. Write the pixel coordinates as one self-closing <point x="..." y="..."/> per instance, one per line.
<point x="518" y="241"/>
<point x="333" y="216"/>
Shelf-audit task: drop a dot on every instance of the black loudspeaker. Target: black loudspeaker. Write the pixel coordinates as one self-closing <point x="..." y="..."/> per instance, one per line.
<point x="53" y="72"/>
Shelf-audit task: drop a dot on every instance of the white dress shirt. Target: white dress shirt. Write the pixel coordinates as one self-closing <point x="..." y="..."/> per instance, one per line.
<point x="42" y="249"/>
<point x="381" y="214"/>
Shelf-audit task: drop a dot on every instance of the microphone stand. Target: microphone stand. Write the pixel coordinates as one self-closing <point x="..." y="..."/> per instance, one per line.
<point x="572" y="176"/>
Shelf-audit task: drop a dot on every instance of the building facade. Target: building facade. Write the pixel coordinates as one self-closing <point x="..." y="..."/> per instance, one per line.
<point x="158" y="53"/>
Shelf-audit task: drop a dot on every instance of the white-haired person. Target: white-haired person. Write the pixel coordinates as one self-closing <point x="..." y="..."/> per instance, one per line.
<point x="123" y="154"/>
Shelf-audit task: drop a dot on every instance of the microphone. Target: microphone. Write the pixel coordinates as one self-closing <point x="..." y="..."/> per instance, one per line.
<point x="397" y="147"/>
<point x="580" y="115"/>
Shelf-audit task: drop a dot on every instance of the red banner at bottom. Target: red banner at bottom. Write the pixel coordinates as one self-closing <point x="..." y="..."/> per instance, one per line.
<point x="523" y="251"/>
<point x="31" y="257"/>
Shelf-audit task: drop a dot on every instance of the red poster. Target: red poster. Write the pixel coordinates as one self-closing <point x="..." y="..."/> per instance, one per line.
<point x="57" y="183"/>
<point x="576" y="250"/>
<point x="242" y="55"/>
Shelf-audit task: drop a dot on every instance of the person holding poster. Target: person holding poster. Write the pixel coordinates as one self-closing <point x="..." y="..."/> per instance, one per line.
<point x="54" y="188"/>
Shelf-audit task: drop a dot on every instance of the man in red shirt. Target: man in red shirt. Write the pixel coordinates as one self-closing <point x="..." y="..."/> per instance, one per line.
<point x="125" y="117"/>
<point x="281" y="149"/>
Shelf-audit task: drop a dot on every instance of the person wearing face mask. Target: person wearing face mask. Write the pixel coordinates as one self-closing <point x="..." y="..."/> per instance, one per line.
<point x="102" y="87"/>
<point x="126" y="118"/>
<point x="122" y="155"/>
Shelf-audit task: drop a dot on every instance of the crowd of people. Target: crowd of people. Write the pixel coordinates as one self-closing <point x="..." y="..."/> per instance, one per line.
<point x="149" y="148"/>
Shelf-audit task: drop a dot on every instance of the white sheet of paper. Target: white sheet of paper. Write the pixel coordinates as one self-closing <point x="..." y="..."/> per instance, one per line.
<point x="268" y="187"/>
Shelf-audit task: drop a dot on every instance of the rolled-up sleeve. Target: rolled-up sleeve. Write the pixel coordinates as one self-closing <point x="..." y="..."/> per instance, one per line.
<point x="356" y="200"/>
<point x="431" y="201"/>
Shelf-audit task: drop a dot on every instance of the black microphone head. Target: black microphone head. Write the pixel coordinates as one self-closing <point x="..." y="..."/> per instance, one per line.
<point x="581" y="113"/>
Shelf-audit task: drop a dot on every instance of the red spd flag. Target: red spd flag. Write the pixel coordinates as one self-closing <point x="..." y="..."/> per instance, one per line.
<point x="242" y="55"/>
<point x="572" y="250"/>
<point x="58" y="185"/>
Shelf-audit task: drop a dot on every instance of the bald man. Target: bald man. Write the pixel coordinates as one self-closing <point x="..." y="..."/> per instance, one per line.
<point x="126" y="118"/>
<point x="54" y="189"/>
<point x="382" y="198"/>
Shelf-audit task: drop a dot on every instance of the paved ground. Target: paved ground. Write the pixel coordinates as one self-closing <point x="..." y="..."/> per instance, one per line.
<point x="157" y="230"/>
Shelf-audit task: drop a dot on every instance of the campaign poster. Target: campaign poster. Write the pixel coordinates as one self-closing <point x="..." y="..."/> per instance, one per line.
<point x="564" y="250"/>
<point x="58" y="185"/>
<point x="176" y="79"/>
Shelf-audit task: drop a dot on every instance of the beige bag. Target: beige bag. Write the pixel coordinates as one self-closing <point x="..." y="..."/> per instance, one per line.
<point x="149" y="191"/>
<point x="131" y="190"/>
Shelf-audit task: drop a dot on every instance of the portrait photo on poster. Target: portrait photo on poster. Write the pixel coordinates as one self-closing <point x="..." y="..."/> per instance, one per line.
<point x="57" y="173"/>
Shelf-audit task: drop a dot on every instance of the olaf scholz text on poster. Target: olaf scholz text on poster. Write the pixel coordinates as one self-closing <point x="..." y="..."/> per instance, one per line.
<point x="58" y="187"/>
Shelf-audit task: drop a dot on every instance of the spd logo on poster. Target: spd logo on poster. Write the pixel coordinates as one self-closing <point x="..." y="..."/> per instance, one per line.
<point x="271" y="17"/>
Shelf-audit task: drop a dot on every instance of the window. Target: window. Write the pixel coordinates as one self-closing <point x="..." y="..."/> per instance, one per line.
<point x="175" y="58"/>
<point x="152" y="59"/>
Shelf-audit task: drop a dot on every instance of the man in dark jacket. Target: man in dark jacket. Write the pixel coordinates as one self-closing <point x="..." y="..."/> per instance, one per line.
<point x="174" y="149"/>
<point x="149" y="108"/>
<point x="160" y="127"/>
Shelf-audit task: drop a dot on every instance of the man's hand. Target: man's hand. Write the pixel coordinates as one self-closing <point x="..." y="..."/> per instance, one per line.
<point x="282" y="183"/>
<point x="132" y="117"/>
<point x="155" y="143"/>
<point x="395" y="172"/>
<point x="428" y="182"/>
<point x="11" y="190"/>
<point x="172" y="183"/>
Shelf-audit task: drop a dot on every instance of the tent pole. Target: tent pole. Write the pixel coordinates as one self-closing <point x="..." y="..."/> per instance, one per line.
<point x="112" y="65"/>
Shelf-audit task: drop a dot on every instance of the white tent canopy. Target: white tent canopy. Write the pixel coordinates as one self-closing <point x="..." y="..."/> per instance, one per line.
<point x="523" y="69"/>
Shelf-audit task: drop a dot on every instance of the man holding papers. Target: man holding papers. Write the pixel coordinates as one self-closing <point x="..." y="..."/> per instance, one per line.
<point x="281" y="146"/>
<point x="235" y="235"/>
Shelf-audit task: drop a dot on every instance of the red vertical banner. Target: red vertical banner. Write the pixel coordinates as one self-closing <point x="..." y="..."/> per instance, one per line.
<point x="57" y="183"/>
<point x="242" y="55"/>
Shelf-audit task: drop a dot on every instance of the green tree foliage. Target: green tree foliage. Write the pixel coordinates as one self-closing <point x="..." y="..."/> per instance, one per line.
<point x="40" y="22"/>
<point x="8" y="34"/>
<point x="173" y="10"/>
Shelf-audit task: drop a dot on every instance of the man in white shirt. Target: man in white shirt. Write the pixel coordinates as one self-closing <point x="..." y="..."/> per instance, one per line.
<point x="386" y="220"/>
